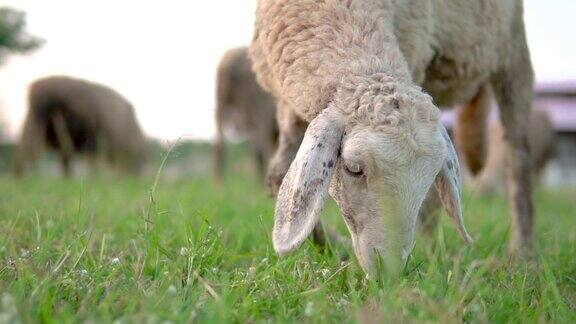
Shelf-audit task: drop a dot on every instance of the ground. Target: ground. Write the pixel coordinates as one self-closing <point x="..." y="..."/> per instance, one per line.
<point x="183" y="249"/>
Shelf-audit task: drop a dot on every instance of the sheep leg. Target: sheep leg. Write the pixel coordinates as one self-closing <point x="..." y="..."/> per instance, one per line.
<point x="93" y="165"/>
<point x="292" y="130"/>
<point x="26" y="156"/>
<point x="219" y="147"/>
<point x="429" y="214"/>
<point x="268" y="147"/>
<point x="491" y="179"/>
<point x="65" y="162"/>
<point x="30" y="147"/>
<point x="260" y="163"/>
<point x="65" y="144"/>
<point x="18" y="167"/>
<point x="513" y="88"/>
<point x="323" y="237"/>
<point x="218" y="160"/>
<point x="470" y="130"/>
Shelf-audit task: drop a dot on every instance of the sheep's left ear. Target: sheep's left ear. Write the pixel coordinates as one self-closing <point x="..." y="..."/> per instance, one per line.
<point x="304" y="188"/>
<point x="449" y="185"/>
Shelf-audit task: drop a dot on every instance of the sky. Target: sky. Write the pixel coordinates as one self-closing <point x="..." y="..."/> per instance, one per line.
<point x="162" y="55"/>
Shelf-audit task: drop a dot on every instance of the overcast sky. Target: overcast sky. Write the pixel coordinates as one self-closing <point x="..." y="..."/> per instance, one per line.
<point x="162" y="55"/>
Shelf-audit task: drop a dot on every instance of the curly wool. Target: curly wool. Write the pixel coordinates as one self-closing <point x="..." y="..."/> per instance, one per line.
<point x="305" y="50"/>
<point x="382" y="103"/>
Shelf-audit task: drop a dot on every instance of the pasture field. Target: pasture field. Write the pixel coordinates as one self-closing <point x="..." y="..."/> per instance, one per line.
<point x="104" y="249"/>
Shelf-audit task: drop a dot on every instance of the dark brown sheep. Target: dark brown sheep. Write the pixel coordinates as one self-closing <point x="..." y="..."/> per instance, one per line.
<point x="77" y="117"/>
<point x="245" y="109"/>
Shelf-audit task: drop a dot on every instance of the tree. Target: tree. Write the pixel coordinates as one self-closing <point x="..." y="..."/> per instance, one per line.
<point x="13" y="36"/>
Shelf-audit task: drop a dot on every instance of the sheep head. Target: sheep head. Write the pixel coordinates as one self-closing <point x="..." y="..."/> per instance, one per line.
<point x="377" y="148"/>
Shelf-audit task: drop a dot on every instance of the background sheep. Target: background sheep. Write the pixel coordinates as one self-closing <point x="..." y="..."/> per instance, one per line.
<point x="74" y="116"/>
<point x="353" y="70"/>
<point x="541" y="138"/>
<point x="489" y="167"/>
<point x="243" y="107"/>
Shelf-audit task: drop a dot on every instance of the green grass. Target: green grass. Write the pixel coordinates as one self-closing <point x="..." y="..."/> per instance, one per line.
<point x="105" y="249"/>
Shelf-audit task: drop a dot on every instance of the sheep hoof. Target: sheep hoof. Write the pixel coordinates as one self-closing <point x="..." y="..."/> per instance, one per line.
<point x="519" y="251"/>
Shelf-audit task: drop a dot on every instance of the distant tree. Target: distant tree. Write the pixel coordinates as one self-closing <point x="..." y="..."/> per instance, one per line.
<point x="13" y="36"/>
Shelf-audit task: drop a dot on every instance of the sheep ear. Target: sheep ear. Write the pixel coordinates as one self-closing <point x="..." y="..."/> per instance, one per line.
<point x="303" y="190"/>
<point x="449" y="185"/>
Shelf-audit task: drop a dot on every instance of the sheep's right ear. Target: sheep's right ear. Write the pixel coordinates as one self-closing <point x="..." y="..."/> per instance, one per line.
<point x="449" y="185"/>
<point x="302" y="193"/>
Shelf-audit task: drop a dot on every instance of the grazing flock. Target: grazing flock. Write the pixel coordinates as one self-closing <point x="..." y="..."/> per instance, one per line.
<point x="340" y="98"/>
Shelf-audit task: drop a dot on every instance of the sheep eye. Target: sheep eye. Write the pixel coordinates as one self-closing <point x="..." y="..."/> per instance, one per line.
<point x="353" y="169"/>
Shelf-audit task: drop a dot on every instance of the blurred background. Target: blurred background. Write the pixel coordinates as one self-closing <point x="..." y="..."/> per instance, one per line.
<point x="163" y="58"/>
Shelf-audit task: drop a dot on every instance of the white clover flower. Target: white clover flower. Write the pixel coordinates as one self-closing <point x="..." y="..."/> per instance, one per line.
<point x="172" y="290"/>
<point x="309" y="310"/>
<point x="8" y="309"/>
<point x="342" y="302"/>
<point x="115" y="261"/>
<point x="184" y="251"/>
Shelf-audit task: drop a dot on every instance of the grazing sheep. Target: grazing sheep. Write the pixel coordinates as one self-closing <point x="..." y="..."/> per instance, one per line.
<point x="244" y="107"/>
<point x="541" y="139"/>
<point x="74" y="116"/>
<point x="354" y="118"/>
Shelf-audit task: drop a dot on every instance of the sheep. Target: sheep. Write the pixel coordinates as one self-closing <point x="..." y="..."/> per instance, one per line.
<point x="73" y="116"/>
<point x="489" y="178"/>
<point x="243" y="106"/>
<point x="541" y="139"/>
<point x="483" y="150"/>
<point x="358" y="85"/>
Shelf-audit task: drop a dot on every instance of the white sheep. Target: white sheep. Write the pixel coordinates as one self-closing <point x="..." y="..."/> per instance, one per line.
<point x="354" y="71"/>
<point x="486" y="158"/>
<point x="541" y="139"/>
<point x="245" y="108"/>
